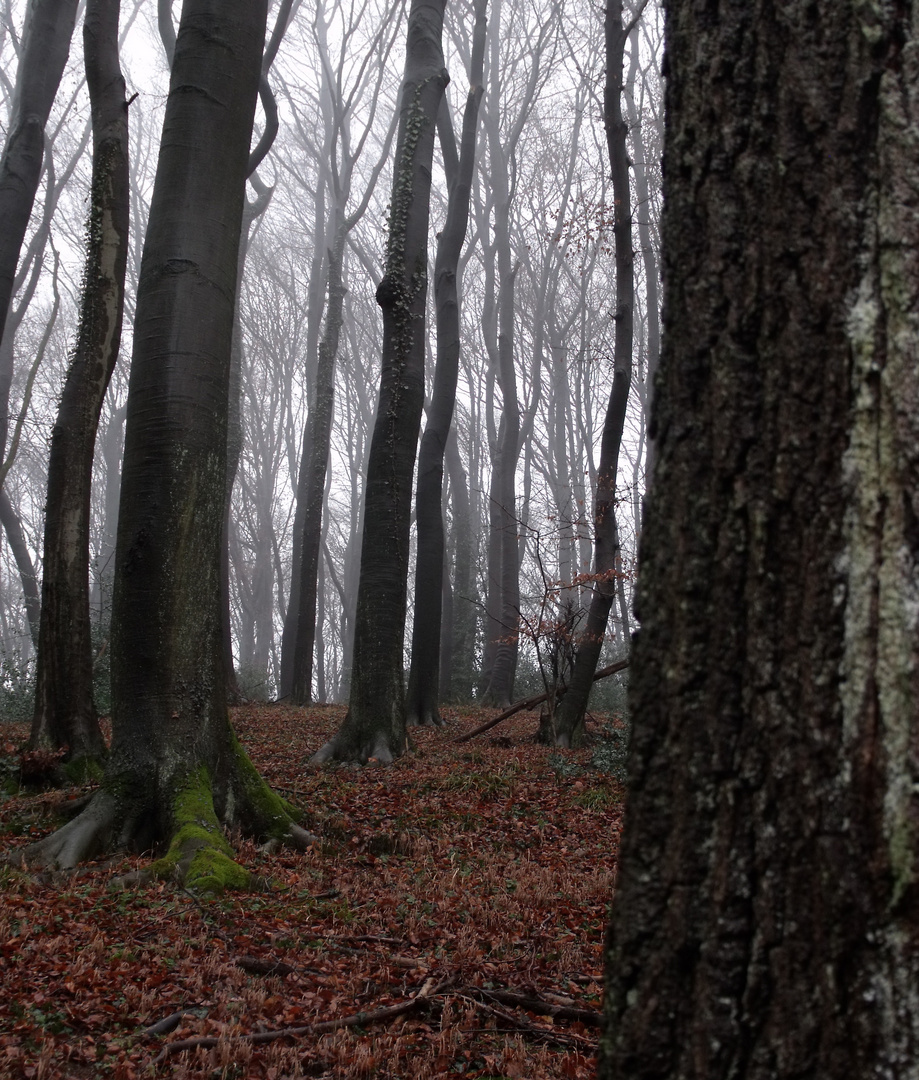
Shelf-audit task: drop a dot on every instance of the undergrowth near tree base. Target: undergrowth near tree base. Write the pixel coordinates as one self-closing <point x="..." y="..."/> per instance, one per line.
<point x="477" y="877"/>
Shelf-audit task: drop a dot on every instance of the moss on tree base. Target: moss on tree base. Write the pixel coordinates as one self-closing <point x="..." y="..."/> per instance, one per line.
<point x="198" y="854"/>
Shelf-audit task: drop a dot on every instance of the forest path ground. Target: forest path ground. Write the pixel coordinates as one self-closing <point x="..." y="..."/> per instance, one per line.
<point x="464" y="872"/>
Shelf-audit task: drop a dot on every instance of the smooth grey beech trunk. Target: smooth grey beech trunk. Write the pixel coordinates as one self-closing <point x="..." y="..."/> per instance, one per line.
<point x="176" y="773"/>
<point x="375" y="724"/>
<point x="65" y="713"/>
<point x="423" y="694"/>
<point x="569" y="718"/>
<point x="766" y="918"/>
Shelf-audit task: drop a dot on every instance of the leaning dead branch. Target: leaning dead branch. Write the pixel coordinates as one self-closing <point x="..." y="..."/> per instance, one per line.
<point x="537" y="699"/>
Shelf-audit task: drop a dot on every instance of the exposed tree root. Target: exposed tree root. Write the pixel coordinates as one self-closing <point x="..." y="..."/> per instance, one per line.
<point x="425" y="717"/>
<point x="343" y="750"/>
<point x="87" y="835"/>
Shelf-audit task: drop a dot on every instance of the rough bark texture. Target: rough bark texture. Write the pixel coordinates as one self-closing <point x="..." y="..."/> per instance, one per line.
<point x="766" y="921"/>
<point x="65" y="714"/>
<point x="423" y="694"/>
<point x="375" y="724"/>
<point x="569" y="721"/>
<point x="176" y="772"/>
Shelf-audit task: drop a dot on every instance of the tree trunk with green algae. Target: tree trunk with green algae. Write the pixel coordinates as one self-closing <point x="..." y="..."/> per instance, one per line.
<point x="766" y="918"/>
<point x="176" y="773"/>
<point x="375" y="724"/>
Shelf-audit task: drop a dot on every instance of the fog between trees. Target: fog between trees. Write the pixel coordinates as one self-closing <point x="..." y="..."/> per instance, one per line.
<point x="536" y="279"/>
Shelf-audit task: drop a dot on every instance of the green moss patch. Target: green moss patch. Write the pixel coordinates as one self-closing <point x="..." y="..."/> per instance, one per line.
<point x="200" y="854"/>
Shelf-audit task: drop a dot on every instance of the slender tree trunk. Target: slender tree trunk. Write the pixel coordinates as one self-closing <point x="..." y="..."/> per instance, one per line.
<point x="318" y="271"/>
<point x="424" y="676"/>
<point x="766" y="919"/>
<point x="43" y="53"/>
<point x="12" y="526"/>
<point x="315" y="462"/>
<point x="462" y="622"/>
<point x="375" y="724"/>
<point x="569" y="720"/>
<point x="252" y="211"/>
<point x="503" y="509"/>
<point x="176" y="773"/>
<point x="65" y="713"/>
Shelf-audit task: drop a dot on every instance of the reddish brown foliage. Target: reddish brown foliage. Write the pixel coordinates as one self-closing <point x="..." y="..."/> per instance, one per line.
<point x="482" y="865"/>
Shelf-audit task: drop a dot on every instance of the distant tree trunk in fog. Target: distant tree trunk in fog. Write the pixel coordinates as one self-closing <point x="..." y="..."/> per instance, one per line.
<point x="766" y="918"/>
<point x="504" y="566"/>
<point x="12" y="526"/>
<point x="499" y="315"/>
<point x="316" y="458"/>
<point x="43" y="53"/>
<point x="65" y="713"/>
<point x="314" y="308"/>
<point x="424" y="682"/>
<point x="253" y="210"/>
<point x="569" y="719"/>
<point x="461" y="627"/>
<point x="375" y="724"/>
<point x="339" y="154"/>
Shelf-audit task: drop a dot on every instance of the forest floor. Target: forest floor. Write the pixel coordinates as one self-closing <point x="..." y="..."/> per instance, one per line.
<point x="468" y="884"/>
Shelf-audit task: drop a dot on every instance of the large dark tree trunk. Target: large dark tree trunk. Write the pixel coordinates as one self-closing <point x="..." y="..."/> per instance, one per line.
<point x="424" y="675"/>
<point x="766" y="919"/>
<point x="569" y="720"/>
<point x="375" y="724"/>
<point x="176" y="773"/>
<point x="65" y="714"/>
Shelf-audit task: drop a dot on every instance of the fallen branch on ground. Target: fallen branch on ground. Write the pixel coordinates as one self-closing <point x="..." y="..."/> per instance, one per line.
<point x="540" y="1034"/>
<point x="537" y="699"/>
<point x="361" y="1019"/>
<point x="588" y="1017"/>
